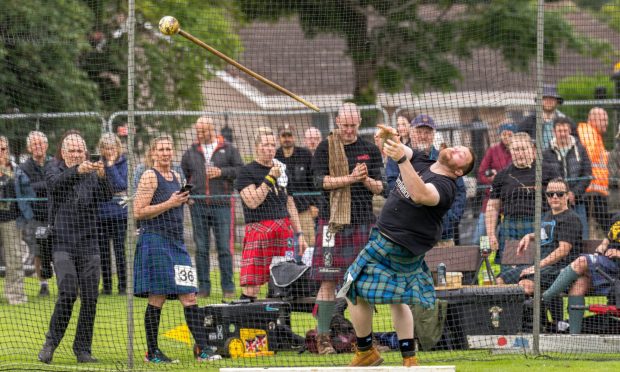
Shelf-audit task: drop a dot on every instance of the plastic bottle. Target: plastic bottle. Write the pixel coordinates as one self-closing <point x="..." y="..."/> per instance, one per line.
<point x="441" y="275"/>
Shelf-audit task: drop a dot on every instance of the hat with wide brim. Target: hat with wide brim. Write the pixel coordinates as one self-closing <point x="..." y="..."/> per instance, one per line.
<point x="549" y="90"/>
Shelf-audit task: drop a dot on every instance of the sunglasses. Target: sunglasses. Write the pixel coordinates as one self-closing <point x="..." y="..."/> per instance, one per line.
<point x="559" y="194"/>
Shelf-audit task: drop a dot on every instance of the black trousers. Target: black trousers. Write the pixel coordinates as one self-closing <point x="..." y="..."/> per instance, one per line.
<point x="75" y="274"/>
<point x="114" y="229"/>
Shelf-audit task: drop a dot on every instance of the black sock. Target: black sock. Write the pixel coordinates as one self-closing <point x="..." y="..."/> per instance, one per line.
<point x="151" y="325"/>
<point x="195" y="325"/>
<point x="364" y="343"/>
<point x="407" y="347"/>
<point x="246" y="297"/>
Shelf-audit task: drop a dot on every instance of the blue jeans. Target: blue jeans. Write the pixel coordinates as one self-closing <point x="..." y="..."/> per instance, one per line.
<point x="481" y="229"/>
<point x="203" y="218"/>
<point x="580" y="209"/>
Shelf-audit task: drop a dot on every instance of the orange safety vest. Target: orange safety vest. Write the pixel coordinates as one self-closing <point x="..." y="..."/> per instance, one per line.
<point x="593" y="142"/>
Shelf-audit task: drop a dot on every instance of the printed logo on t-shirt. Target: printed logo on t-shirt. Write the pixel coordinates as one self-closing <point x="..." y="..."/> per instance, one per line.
<point x="400" y="185"/>
<point x="363" y="157"/>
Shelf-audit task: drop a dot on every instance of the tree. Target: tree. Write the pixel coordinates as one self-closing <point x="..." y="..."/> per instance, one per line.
<point x="39" y="44"/>
<point x="395" y="45"/>
<point x="169" y="70"/>
<point x="71" y="55"/>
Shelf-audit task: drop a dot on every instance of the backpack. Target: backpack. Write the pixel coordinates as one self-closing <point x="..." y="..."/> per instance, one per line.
<point x="289" y="280"/>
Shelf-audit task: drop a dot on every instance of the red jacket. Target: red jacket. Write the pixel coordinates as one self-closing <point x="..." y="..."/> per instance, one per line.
<point x="497" y="157"/>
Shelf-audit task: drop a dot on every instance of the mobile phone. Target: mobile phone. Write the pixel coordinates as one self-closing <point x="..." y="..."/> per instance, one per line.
<point x="187" y="187"/>
<point x="95" y="157"/>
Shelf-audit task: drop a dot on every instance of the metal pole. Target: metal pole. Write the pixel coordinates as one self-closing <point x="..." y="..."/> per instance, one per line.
<point x="130" y="240"/>
<point x="540" y="40"/>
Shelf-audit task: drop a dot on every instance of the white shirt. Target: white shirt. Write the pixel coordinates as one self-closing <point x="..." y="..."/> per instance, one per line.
<point x="207" y="150"/>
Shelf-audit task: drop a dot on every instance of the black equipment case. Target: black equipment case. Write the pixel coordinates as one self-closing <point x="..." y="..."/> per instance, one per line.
<point x="481" y="310"/>
<point x="230" y="325"/>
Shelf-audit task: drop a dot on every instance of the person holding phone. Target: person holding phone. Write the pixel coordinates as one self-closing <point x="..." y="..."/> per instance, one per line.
<point x="113" y="224"/>
<point x="77" y="188"/>
<point x="272" y="221"/>
<point x="162" y="267"/>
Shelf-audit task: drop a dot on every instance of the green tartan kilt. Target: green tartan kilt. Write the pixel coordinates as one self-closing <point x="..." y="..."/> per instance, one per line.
<point x="387" y="273"/>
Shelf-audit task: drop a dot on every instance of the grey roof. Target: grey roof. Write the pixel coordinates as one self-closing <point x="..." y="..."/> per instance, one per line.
<point x="281" y="52"/>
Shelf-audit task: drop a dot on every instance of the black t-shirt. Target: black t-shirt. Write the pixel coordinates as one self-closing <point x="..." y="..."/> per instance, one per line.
<point x="359" y="151"/>
<point x="274" y="205"/>
<point x="515" y="187"/>
<point x="564" y="226"/>
<point x="299" y="172"/>
<point x="414" y="226"/>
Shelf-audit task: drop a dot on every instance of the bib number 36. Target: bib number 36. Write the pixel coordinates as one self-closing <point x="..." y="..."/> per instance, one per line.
<point x="184" y="276"/>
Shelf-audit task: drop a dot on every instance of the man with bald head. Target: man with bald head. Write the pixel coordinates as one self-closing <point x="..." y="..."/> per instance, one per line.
<point x="591" y="136"/>
<point x="211" y="165"/>
<point x="349" y="172"/>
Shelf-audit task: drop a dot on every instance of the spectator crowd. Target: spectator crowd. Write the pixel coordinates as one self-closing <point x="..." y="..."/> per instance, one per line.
<point x="318" y="196"/>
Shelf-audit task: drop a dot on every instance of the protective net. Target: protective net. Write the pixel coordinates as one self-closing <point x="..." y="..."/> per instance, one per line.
<point x="204" y="218"/>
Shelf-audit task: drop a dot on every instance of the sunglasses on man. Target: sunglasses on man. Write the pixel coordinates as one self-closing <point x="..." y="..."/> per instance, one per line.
<point x="559" y="194"/>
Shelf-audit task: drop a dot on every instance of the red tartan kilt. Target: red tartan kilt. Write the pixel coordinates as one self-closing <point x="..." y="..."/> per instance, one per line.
<point x="264" y="240"/>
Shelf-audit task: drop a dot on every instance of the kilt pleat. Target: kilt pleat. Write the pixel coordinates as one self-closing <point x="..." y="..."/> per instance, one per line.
<point x="156" y="257"/>
<point x="264" y="240"/>
<point x="387" y="273"/>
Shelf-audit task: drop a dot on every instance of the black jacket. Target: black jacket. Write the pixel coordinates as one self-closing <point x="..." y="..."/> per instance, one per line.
<point x="74" y="201"/>
<point x="575" y="167"/>
<point x="300" y="179"/>
<point x="227" y="158"/>
<point x="36" y="175"/>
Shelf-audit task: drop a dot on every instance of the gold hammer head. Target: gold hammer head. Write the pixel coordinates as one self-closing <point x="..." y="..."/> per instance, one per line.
<point x="169" y="25"/>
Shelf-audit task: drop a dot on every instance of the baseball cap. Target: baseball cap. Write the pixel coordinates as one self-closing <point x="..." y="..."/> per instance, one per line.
<point x="507" y="126"/>
<point x="286" y="129"/>
<point x="423" y="121"/>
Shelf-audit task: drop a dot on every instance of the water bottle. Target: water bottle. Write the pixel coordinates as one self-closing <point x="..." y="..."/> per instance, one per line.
<point x="441" y="275"/>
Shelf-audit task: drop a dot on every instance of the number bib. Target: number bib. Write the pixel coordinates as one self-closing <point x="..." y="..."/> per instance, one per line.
<point x="184" y="276"/>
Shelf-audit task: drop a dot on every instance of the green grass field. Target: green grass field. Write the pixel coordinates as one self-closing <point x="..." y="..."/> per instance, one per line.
<point x="22" y="331"/>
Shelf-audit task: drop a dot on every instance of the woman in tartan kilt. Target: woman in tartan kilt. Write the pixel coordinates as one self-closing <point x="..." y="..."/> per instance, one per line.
<point x="272" y="223"/>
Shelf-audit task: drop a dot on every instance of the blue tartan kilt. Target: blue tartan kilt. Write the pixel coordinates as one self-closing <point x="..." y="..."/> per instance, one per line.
<point x="600" y="285"/>
<point x="387" y="273"/>
<point x="156" y="257"/>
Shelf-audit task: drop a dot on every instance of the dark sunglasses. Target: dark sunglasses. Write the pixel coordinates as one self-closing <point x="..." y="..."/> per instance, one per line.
<point x="559" y="194"/>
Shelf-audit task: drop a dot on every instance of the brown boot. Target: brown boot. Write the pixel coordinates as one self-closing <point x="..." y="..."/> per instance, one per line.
<point x="370" y="357"/>
<point x="411" y="361"/>
<point x="379" y="347"/>
<point x="324" y="344"/>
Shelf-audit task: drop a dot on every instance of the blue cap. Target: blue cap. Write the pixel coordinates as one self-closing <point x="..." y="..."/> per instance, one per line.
<point x="423" y="121"/>
<point x="507" y="126"/>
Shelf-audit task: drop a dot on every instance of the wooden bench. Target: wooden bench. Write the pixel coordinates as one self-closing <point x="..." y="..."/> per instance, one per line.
<point x="510" y="256"/>
<point x="459" y="258"/>
<point x="462" y="258"/>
